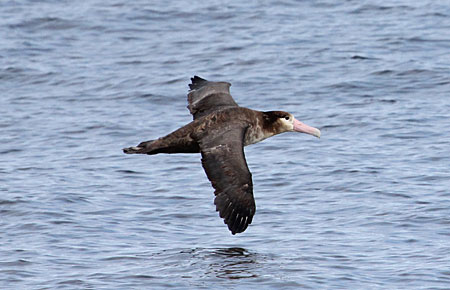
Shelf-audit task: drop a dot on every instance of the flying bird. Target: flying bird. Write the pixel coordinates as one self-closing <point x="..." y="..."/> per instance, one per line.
<point x="219" y="132"/>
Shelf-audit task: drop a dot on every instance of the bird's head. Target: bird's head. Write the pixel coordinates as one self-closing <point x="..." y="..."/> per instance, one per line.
<point x="280" y="122"/>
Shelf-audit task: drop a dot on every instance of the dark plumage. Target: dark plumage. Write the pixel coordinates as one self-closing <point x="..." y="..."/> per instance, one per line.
<point x="219" y="131"/>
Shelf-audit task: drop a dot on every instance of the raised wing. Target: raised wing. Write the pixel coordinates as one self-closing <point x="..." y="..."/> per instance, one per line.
<point x="206" y="97"/>
<point x="224" y="163"/>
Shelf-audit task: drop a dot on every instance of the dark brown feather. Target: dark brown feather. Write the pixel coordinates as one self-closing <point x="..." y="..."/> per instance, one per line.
<point x="206" y="97"/>
<point x="224" y="163"/>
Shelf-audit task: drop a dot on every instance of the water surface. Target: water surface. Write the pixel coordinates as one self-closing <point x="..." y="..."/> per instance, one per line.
<point x="367" y="206"/>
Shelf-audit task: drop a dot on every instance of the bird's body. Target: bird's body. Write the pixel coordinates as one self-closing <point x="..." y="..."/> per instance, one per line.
<point x="219" y="132"/>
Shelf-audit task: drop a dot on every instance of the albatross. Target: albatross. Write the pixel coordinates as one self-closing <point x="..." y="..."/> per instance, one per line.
<point x="219" y="132"/>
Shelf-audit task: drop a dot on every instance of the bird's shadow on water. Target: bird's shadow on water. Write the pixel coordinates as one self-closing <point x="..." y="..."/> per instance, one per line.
<point x="227" y="263"/>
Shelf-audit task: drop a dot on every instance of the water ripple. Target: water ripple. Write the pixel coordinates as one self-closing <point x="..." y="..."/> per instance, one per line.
<point x="364" y="207"/>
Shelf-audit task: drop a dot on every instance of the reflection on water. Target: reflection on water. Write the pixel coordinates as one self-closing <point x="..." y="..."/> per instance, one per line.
<point x="223" y="263"/>
<point x="234" y="263"/>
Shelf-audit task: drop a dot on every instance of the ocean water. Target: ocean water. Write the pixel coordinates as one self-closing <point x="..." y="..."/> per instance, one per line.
<point x="367" y="206"/>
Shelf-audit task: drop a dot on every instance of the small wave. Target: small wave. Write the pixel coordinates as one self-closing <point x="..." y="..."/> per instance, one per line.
<point x="10" y="201"/>
<point x="379" y="8"/>
<point x="12" y="150"/>
<point x="50" y="23"/>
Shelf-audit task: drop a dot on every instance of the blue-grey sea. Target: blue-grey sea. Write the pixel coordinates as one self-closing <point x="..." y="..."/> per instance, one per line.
<point x="367" y="206"/>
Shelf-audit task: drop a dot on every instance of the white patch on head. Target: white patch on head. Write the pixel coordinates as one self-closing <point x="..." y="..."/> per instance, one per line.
<point x="256" y="134"/>
<point x="287" y="124"/>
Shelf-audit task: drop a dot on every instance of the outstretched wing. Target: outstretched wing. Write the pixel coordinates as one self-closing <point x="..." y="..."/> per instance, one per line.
<point x="224" y="163"/>
<point x="206" y="97"/>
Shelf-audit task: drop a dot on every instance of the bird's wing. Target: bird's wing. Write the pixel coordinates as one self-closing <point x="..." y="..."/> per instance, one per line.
<point x="224" y="162"/>
<point x="205" y="97"/>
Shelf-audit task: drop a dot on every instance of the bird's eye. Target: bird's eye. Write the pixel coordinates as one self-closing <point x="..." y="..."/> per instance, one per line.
<point x="287" y="118"/>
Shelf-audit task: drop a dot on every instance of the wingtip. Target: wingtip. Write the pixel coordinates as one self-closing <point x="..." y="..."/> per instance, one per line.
<point x="197" y="78"/>
<point x="132" y="150"/>
<point x="237" y="224"/>
<point x="196" y="82"/>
